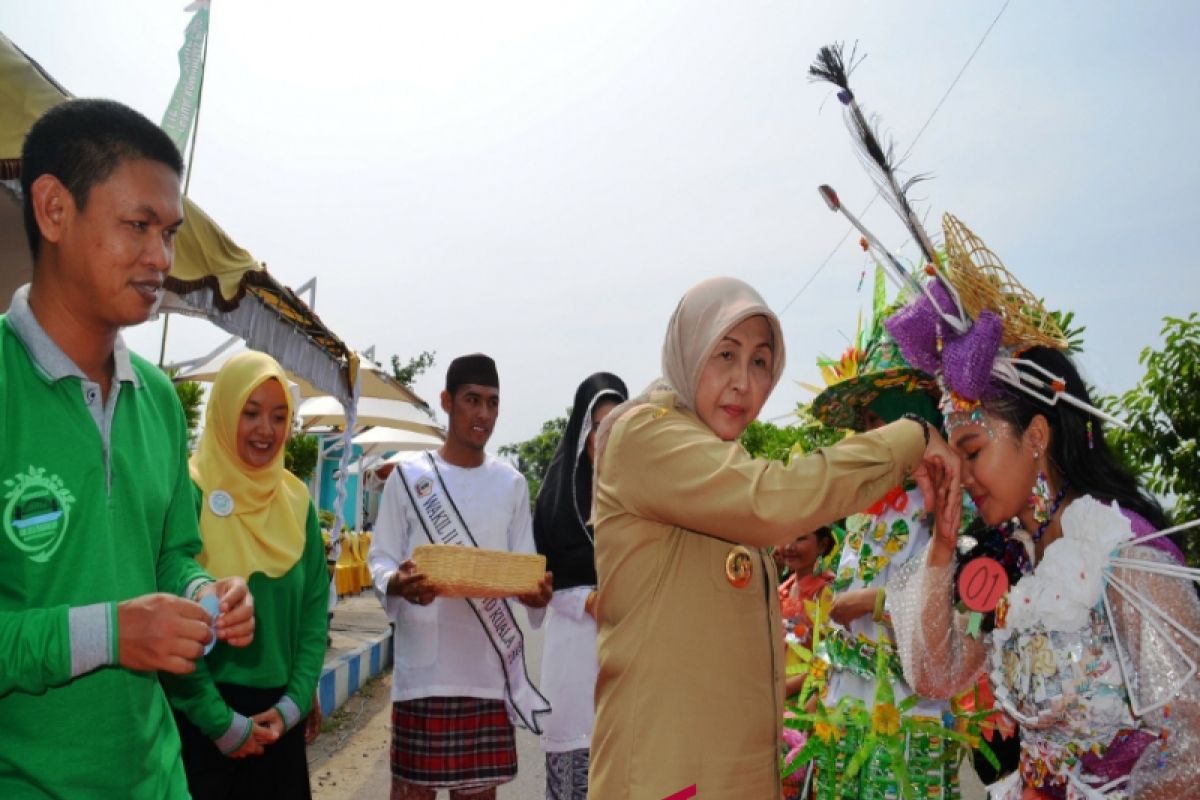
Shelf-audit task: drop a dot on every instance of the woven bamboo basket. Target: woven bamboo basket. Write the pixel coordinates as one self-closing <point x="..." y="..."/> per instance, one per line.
<point x="474" y="572"/>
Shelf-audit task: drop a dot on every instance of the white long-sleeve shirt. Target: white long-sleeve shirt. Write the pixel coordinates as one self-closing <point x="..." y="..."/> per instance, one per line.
<point x="569" y="669"/>
<point x="441" y="649"/>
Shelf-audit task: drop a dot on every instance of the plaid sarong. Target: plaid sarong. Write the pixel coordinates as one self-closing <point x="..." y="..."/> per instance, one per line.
<point x="452" y="742"/>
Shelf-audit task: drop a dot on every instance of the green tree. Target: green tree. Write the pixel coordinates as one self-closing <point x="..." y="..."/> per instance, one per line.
<point x="761" y="439"/>
<point x="191" y="397"/>
<point x="765" y="440"/>
<point x="1074" y="336"/>
<point x="1163" y="441"/>
<point x="415" y="367"/>
<point x="300" y="456"/>
<point x="533" y="455"/>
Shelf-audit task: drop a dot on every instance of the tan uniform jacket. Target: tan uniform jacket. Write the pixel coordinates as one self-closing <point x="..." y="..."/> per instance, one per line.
<point x="690" y="689"/>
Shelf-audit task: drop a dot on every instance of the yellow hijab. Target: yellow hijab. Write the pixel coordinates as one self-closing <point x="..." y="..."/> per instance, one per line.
<point x="253" y="519"/>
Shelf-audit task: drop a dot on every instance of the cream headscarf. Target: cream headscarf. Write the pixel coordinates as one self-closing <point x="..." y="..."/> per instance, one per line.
<point x="265" y="530"/>
<point x="708" y="311"/>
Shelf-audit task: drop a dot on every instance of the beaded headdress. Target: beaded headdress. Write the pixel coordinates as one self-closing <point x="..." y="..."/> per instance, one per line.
<point x="971" y="319"/>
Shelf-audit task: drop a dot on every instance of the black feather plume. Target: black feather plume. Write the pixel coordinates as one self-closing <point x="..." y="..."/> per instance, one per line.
<point x="832" y="66"/>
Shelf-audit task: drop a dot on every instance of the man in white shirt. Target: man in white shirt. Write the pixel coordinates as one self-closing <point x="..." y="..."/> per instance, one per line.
<point x="459" y="679"/>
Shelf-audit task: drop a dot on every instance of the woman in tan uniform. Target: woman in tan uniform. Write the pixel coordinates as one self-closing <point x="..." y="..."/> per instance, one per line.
<point x="690" y="691"/>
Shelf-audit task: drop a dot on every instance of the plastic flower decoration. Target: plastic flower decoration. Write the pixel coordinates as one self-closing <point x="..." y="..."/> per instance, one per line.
<point x="885" y="719"/>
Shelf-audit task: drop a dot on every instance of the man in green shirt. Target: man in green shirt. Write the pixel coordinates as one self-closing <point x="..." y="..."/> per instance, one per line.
<point x="99" y="590"/>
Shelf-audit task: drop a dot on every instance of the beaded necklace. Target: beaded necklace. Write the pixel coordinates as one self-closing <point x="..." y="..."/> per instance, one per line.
<point x="1014" y="558"/>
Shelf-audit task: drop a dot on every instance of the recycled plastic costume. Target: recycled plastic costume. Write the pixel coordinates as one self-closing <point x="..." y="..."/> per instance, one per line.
<point x="1095" y="649"/>
<point x="869" y="384"/>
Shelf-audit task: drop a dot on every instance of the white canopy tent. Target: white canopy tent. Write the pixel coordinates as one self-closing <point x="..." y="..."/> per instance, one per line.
<point x="370" y="464"/>
<point x="326" y="412"/>
<point x="377" y="442"/>
<point x="381" y="440"/>
<point x="392" y="425"/>
<point x="402" y="443"/>
<point x="374" y="469"/>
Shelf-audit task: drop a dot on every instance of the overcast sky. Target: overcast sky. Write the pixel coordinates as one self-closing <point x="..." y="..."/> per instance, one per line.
<point x="542" y="181"/>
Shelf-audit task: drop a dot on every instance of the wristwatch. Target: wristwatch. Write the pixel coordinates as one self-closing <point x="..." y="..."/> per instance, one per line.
<point x="924" y="423"/>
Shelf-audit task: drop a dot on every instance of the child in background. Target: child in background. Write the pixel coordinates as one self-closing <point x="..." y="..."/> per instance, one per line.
<point x="804" y="582"/>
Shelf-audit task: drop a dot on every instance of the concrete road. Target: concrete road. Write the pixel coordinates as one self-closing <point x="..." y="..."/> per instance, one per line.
<point x="351" y="762"/>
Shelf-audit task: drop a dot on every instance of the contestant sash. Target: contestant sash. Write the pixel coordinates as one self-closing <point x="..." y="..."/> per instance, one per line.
<point x="443" y="524"/>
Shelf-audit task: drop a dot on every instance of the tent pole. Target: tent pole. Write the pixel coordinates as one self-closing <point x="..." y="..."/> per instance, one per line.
<point x="320" y="469"/>
<point x="162" y="350"/>
<point x="358" y="500"/>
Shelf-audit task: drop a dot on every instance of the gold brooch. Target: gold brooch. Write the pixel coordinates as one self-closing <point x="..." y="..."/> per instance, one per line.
<point x="739" y="567"/>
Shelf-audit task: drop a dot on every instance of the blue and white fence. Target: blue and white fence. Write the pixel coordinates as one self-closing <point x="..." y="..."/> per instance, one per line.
<point x="347" y="675"/>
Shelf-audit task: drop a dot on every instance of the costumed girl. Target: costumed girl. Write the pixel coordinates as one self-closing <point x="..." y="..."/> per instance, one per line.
<point x="868" y="387"/>
<point x="239" y="712"/>
<point x="1095" y="646"/>
<point x="1092" y="646"/>
<point x="563" y="533"/>
<point x="690" y="689"/>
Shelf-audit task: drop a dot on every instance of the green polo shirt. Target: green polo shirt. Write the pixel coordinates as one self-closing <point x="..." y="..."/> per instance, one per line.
<point x="97" y="508"/>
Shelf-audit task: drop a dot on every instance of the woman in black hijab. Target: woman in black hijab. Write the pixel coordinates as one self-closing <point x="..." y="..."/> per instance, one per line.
<point x="564" y="535"/>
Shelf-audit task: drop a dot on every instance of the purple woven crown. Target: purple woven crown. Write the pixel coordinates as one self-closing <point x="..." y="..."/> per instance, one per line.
<point x="965" y="361"/>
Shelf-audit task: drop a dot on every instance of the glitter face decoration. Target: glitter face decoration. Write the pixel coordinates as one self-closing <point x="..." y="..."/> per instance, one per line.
<point x="957" y="411"/>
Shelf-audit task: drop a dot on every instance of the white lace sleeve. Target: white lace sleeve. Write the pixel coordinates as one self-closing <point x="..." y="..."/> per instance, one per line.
<point x="1160" y="659"/>
<point x="939" y="658"/>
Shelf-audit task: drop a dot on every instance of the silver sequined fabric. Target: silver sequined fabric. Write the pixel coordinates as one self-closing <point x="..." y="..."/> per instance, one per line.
<point x="1072" y="691"/>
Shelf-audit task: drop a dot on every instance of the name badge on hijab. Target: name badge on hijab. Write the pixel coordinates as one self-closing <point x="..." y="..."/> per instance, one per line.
<point x="220" y="502"/>
<point x="739" y="567"/>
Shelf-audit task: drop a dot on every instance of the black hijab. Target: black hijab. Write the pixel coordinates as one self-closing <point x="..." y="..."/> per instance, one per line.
<point x="564" y="503"/>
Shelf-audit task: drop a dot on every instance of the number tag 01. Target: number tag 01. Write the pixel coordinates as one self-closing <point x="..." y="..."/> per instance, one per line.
<point x="981" y="584"/>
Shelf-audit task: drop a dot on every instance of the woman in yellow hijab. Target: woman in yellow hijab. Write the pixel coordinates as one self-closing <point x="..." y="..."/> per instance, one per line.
<point x="238" y="713"/>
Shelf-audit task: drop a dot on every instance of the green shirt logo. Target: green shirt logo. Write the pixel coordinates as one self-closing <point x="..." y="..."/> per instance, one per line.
<point x="36" y="513"/>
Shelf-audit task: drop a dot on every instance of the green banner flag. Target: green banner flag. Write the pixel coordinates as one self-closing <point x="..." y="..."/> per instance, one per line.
<point x="181" y="112"/>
